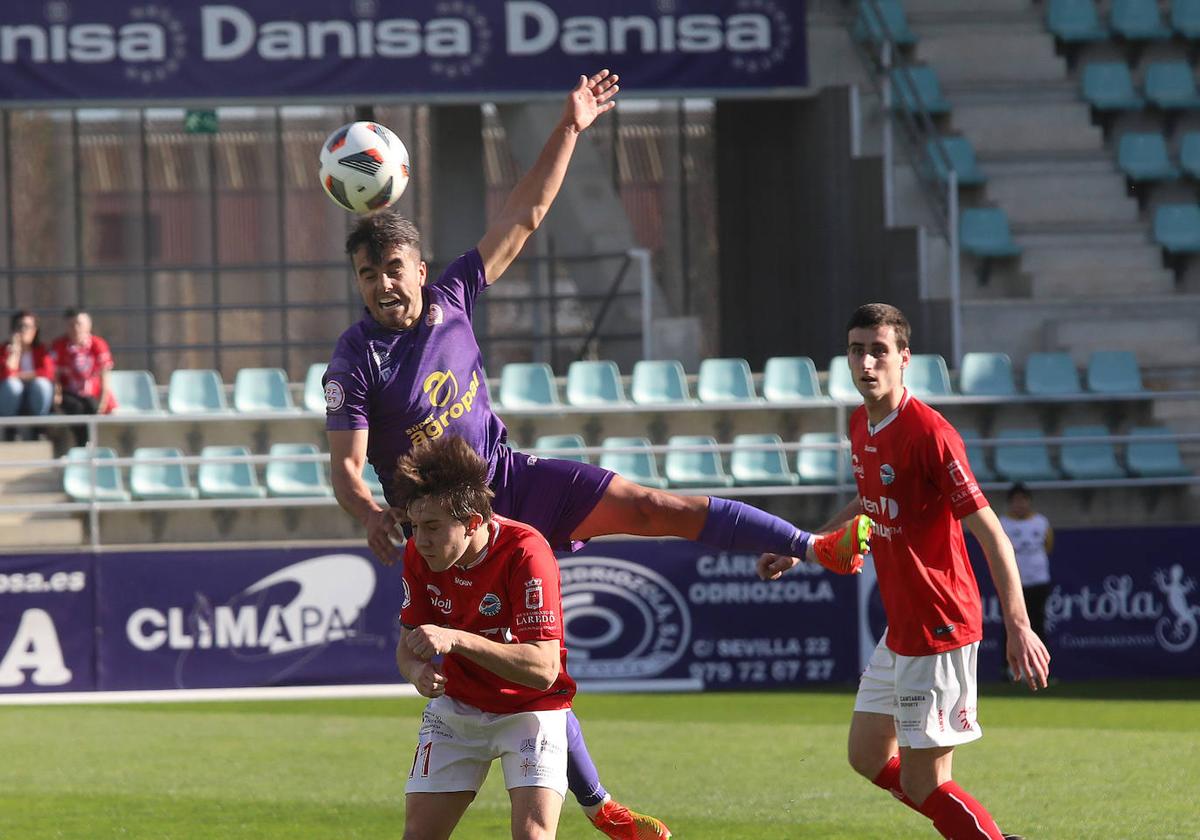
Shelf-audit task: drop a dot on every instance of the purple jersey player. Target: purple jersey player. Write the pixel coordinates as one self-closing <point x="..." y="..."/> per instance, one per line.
<point x="411" y="371"/>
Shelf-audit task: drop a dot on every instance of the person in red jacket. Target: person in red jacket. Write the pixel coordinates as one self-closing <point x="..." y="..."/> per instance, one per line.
<point x="27" y="375"/>
<point x="83" y="362"/>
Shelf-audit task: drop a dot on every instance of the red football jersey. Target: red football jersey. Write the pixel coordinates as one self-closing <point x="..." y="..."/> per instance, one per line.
<point x="512" y="595"/>
<point x="915" y="483"/>
<point x="80" y="365"/>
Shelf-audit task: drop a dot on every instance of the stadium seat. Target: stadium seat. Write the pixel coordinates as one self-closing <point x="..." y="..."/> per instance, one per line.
<point x="196" y="392"/>
<point x="314" y="391"/>
<point x="820" y="466"/>
<point x="160" y="482"/>
<point x="894" y="25"/>
<point x="841" y="382"/>
<point x="562" y="442"/>
<point x="692" y="468"/>
<point x="1143" y="156"/>
<point x="1138" y="20"/>
<point x="228" y="481"/>
<point x="790" y="378"/>
<point x="135" y="392"/>
<point x="77" y="477"/>
<point x="527" y="385"/>
<point x="594" y="384"/>
<point x="916" y="87"/>
<point x="984" y="232"/>
<point x="1113" y="372"/>
<point x="1171" y="86"/>
<point x="962" y="159"/>
<point x="1026" y="462"/>
<point x="1185" y="18"/>
<point x="262" y="389"/>
<point x="295" y="479"/>
<point x="760" y="467"/>
<point x="1075" y="21"/>
<point x="638" y="467"/>
<point x="1051" y="375"/>
<point x="1108" y="86"/>
<point x="1082" y="461"/>
<point x="1189" y="154"/>
<point x="986" y="375"/>
<point x="725" y="381"/>
<point x="1177" y="228"/>
<point x="1150" y="456"/>
<point x="371" y="479"/>
<point x="927" y="376"/>
<point x="659" y="381"/>
<point x="977" y="456"/>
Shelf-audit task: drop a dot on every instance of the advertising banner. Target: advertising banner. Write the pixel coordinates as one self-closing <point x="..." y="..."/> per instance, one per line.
<point x="58" y="50"/>
<point x="47" y="623"/>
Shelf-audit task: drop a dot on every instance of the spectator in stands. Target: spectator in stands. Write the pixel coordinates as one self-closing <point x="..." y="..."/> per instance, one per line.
<point x="83" y="361"/>
<point x="1033" y="541"/>
<point x="27" y="376"/>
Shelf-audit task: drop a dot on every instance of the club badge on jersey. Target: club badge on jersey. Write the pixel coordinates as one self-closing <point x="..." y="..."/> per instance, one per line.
<point x="533" y="594"/>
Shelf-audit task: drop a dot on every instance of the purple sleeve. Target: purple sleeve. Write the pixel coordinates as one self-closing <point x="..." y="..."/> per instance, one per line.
<point x="346" y="384"/>
<point x="463" y="280"/>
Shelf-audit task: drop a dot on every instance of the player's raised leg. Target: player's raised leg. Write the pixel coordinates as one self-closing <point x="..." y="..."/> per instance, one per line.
<point x="433" y="816"/>
<point x="535" y="812"/>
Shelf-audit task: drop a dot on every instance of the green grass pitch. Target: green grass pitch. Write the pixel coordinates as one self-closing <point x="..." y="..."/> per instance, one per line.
<point x="1077" y="761"/>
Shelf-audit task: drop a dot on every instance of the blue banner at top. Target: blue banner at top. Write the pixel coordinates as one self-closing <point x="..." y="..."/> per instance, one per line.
<point x="56" y="51"/>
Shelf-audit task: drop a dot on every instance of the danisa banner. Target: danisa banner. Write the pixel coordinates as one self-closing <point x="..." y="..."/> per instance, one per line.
<point x="123" y="50"/>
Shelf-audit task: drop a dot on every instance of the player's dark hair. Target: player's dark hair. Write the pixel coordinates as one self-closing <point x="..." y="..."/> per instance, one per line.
<point x="18" y="317"/>
<point x="1019" y="489"/>
<point x="381" y="231"/>
<point x="449" y="472"/>
<point x="882" y="315"/>
<point x="73" y="312"/>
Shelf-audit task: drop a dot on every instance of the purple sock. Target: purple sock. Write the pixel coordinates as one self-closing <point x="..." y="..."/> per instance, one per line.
<point x="734" y="526"/>
<point x="582" y="778"/>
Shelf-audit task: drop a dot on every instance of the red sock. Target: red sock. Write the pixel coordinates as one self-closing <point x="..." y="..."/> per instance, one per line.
<point x="889" y="780"/>
<point x="957" y="815"/>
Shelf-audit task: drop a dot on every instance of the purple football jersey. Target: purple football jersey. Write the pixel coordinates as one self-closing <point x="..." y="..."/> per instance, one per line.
<point x="408" y="387"/>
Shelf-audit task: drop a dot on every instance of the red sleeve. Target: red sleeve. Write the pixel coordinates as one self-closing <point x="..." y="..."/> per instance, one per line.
<point x="415" y="609"/>
<point x="950" y="470"/>
<point x="535" y="591"/>
<point x="104" y="359"/>
<point x="43" y="362"/>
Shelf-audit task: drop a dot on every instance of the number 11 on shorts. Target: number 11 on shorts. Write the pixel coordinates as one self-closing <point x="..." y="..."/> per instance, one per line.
<point x="426" y="748"/>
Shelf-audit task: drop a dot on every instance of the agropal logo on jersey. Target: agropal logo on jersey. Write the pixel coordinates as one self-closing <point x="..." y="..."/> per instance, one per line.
<point x="441" y="389"/>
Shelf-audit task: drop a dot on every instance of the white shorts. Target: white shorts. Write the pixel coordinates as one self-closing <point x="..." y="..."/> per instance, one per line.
<point x="932" y="699"/>
<point x="458" y="742"/>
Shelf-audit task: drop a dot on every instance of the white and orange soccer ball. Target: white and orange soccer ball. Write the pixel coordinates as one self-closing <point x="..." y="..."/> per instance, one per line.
<point x="364" y="167"/>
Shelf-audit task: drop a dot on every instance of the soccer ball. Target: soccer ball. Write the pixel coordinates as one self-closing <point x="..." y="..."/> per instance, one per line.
<point x="364" y="166"/>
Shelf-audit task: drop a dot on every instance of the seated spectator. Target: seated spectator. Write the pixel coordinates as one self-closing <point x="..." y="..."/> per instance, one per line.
<point x="26" y="377"/>
<point x="83" y="362"/>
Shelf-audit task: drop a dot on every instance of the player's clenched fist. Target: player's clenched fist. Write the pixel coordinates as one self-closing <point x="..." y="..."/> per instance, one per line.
<point x="430" y="681"/>
<point x="429" y="640"/>
<point x="771" y="566"/>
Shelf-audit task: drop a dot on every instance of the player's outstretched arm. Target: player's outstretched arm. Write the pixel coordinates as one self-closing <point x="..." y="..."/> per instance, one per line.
<point x="1027" y="655"/>
<point x="426" y="677"/>
<point x="535" y="664"/>
<point x="531" y="198"/>
<point x="347" y="455"/>
<point x="772" y="566"/>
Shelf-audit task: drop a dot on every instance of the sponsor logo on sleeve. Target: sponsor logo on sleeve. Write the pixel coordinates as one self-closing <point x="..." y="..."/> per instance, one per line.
<point x="957" y="474"/>
<point x="335" y="396"/>
<point x="533" y="594"/>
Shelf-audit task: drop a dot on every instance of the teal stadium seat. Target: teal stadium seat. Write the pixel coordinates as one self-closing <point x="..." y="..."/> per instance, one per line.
<point x="160" y="482"/>
<point x="977" y="456"/>
<point x="262" y="389"/>
<point x="986" y="375"/>
<point x="1171" y="86"/>
<point x="371" y="479"/>
<point x="562" y="442"/>
<point x="77" y="477"/>
<point x="790" y="378"/>
<point x="528" y="385"/>
<point x="962" y="159"/>
<point x="659" y="381"/>
<point x="984" y="232"/>
<point x="820" y="466"/>
<point x="760" y="467"/>
<point x="638" y="467"/>
<point x="1075" y="21"/>
<point x="1189" y="154"/>
<point x="927" y="376"/>
<point x="228" y="481"/>
<point x="1113" y="372"/>
<point x="1108" y="86"/>
<point x="1143" y="157"/>
<point x="314" y="391"/>
<point x="1024" y="462"/>
<point x="1089" y="461"/>
<point x="1151" y="456"/>
<point x="841" y="382"/>
<point x="1051" y="375"/>
<point x="915" y="87"/>
<point x="296" y="479"/>
<point x="725" y="381"/>
<point x="1138" y="20"/>
<point x="894" y="25"/>
<point x="196" y="392"/>
<point x="135" y="392"/>
<point x="694" y="469"/>
<point x="1177" y="228"/>
<point x="595" y="384"/>
<point x="1185" y="18"/>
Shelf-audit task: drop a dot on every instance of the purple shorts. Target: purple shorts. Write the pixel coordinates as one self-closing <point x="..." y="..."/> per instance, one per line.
<point x="550" y="494"/>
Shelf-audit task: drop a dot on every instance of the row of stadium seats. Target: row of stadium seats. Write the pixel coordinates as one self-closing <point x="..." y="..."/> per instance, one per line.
<point x="1167" y="85"/>
<point x="1147" y="456"/>
<point x="1079" y="21"/>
